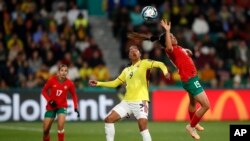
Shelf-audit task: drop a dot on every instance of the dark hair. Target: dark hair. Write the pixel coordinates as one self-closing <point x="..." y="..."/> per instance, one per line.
<point x="161" y="39"/>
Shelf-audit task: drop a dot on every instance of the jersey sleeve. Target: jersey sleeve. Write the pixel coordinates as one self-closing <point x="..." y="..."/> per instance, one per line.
<point x="157" y="64"/>
<point x="74" y="95"/>
<point x="45" y="90"/>
<point x="112" y="84"/>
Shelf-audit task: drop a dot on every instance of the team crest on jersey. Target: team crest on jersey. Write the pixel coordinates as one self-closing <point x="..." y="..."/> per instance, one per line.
<point x="65" y="87"/>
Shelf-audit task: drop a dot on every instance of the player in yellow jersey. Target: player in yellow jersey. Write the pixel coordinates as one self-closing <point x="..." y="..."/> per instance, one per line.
<point x="136" y="97"/>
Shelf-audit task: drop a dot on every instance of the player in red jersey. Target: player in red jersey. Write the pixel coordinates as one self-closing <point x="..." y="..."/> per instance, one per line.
<point x="58" y="87"/>
<point x="189" y="78"/>
<point x="188" y="73"/>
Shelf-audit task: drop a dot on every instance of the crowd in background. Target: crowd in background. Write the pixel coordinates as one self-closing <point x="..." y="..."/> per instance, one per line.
<point x="36" y="36"/>
<point x="217" y="32"/>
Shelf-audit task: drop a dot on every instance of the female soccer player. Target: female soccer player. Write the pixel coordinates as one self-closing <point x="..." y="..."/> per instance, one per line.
<point x="58" y="85"/>
<point x="189" y="78"/>
<point x="136" y="97"/>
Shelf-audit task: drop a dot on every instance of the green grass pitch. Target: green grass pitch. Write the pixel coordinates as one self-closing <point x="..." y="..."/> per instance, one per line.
<point x="125" y="131"/>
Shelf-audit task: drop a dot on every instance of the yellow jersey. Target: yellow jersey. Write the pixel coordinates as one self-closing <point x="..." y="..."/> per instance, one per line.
<point x="135" y="78"/>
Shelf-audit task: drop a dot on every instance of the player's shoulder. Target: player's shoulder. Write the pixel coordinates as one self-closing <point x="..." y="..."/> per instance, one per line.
<point x="147" y="60"/>
<point x="52" y="78"/>
<point x="69" y="81"/>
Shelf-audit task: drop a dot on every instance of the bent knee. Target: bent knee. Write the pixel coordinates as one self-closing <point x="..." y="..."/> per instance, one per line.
<point x="206" y="106"/>
<point x="109" y="119"/>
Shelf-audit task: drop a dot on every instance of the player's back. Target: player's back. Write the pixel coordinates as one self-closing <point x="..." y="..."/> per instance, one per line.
<point x="183" y="62"/>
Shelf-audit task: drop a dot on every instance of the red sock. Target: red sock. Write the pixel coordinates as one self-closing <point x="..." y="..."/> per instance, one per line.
<point x="60" y="136"/>
<point x="191" y="114"/>
<point x="195" y="120"/>
<point x="46" y="138"/>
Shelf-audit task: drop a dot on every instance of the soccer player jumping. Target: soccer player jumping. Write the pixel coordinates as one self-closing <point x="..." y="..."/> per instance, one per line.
<point x="136" y="97"/>
<point x="189" y="78"/>
<point x="59" y="86"/>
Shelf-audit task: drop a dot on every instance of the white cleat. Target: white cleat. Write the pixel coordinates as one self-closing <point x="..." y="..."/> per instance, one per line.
<point x="192" y="132"/>
<point x="198" y="127"/>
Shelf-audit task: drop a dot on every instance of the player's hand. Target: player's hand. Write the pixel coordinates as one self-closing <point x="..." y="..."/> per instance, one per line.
<point x="189" y="52"/>
<point x="78" y="114"/>
<point x="52" y="103"/>
<point x="92" y="83"/>
<point x="166" y="25"/>
<point x="168" y="76"/>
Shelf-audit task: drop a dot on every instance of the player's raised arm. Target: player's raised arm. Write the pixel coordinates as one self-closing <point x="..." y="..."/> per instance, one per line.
<point x="167" y="26"/>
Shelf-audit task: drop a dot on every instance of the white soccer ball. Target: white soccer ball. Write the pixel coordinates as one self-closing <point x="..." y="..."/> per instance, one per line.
<point x="149" y="13"/>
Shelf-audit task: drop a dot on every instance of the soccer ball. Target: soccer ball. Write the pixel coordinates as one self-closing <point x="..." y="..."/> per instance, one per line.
<point x="149" y="13"/>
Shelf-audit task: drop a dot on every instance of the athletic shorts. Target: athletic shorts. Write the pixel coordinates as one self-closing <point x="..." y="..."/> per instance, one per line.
<point x="193" y="86"/>
<point x="138" y="109"/>
<point x="52" y="113"/>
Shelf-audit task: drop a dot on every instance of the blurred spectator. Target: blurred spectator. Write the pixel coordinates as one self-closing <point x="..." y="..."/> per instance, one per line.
<point x="207" y="75"/>
<point x="35" y="61"/>
<point x="73" y="73"/>
<point x="200" y="25"/>
<point x="81" y="21"/>
<point x="85" y="73"/>
<point x="135" y="16"/>
<point x="101" y="72"/>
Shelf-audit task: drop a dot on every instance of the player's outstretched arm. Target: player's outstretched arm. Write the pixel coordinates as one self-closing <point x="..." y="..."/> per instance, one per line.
<point x="167" y="26"/>
<point x="111" y="84"/>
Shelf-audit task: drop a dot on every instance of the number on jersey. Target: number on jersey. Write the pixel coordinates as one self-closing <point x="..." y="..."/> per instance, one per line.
<point x="197" y="84"/>
<point x="58" y="92"/>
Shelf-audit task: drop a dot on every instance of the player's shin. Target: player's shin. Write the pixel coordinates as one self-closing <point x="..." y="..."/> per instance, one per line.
<point x="60" y="135"/>
<point x="195" y="120"/>
<point x="146" y="135"/>
<point x="110" y="131"/>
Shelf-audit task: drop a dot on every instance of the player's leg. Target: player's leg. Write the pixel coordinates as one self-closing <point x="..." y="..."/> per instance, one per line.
<point x="47" y="122"/>
<point x="192" y="109"/>
<point x="60" y="126"/>
<point x="204" y="106"/>
<point x="61" y="116"/>
<point x="191" y="106"/>
<point x="140" y="111"/>
<point x="193" y="87"/>
<point x="118" y="112"/>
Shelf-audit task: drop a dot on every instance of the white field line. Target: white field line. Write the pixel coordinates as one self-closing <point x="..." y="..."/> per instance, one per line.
<point x="19" y="128"/>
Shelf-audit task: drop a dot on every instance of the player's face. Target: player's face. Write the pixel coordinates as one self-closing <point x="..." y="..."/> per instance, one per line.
<point x="173" y="39"/>
<point x="63" y="72"/>
<point x="134" y="53"/>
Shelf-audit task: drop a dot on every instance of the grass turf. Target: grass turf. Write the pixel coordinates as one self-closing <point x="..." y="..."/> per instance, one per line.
<point x="125" y="131"/>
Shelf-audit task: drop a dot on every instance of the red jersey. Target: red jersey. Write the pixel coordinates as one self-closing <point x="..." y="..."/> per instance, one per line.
<point x="58" y="92"/>
<point x="183" y="62"/>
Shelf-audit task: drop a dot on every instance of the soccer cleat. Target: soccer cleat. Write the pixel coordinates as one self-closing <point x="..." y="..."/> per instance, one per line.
<point x="198" y="127"/>
<point x="192" y="132"/>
